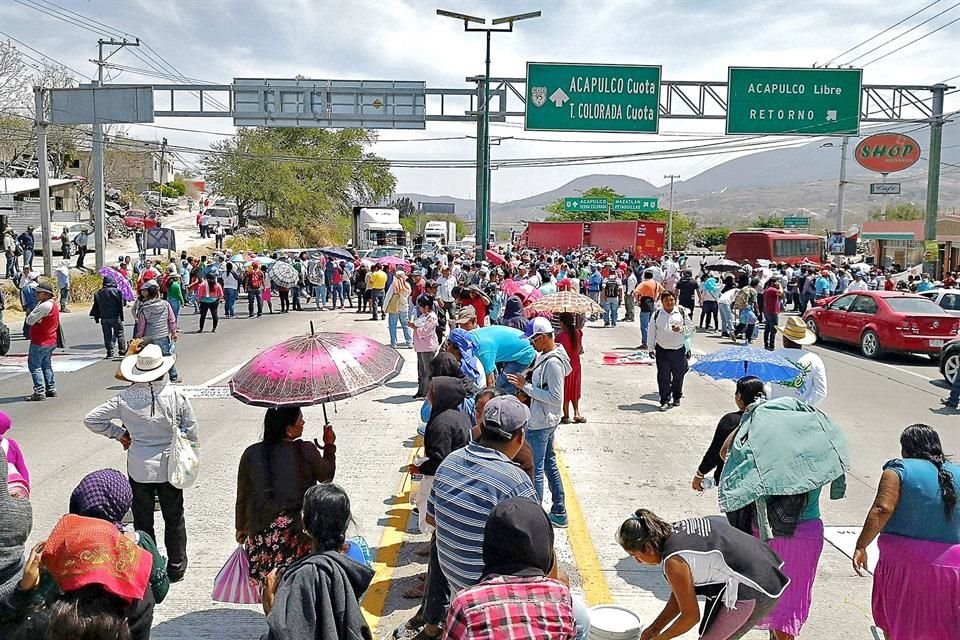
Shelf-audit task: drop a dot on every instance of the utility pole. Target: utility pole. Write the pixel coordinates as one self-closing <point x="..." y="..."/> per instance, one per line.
<point x="41" y="126"/>
<point x="99" y="223"/>
<point x="483" y="120"/>
<point x="163" y="166"/>
<point x="843" y="181"/>
<point x="671" y="177"/>
<point x="933" y="175"/>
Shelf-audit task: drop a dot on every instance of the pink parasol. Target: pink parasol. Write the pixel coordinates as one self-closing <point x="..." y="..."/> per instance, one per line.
<point x="314" y="369"/>
<point x="393" y="261"/>
<point x="523" y="290"/>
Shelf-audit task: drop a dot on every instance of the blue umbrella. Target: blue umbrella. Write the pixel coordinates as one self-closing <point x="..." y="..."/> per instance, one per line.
<point x="337" y="253"/>
<point x="734" y="363"/>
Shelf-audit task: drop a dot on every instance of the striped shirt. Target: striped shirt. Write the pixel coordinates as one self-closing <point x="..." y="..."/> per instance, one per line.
<point x="468" y="484"/>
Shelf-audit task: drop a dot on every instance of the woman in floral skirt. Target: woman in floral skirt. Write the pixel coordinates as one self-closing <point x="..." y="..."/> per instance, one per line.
<point x="274" y="475"/>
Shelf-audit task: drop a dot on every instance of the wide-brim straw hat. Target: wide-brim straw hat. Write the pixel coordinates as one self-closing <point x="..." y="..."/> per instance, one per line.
<point x="796" y="331"/>
<point x="146" y="366"/>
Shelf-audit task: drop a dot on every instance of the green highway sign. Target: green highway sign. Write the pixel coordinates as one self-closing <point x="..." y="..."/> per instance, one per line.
<point x="636" y="204"/>
<point x="592" y="97"/>
<point x="796" y="223"/>
<point x="804" y="102"/>
<point x="585" y="204"/>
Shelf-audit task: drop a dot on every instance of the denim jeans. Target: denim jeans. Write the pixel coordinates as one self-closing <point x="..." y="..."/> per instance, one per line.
<point x="501" y="378"/>
<point x="726" y="319"/>
<point x="645" y="325"/>
<point x="336" y="292"/>
<point x="11" y="265"/>
<point x="545" y="464"/>
<point x="770" y="329"/>
<point x="166" y="347"/>
<point x="28" y="257"/>
<point x="392" y="320"/>
<point x="229" y="302"/>
<point x="175" y="305"/>
<point x="611" y="308"/>
<point x="346" y="292"/>
<point x="954" y="391"/>
<point x="64" y="298"/>
<point x="254" y="295"/>
<point x="41" y="369"/>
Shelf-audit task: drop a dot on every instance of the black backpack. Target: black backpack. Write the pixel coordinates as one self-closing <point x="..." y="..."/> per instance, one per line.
<point x="647" y="304"/>
<point x="611" y="289"/>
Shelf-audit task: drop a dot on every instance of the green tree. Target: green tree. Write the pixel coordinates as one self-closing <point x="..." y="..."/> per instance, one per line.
<point x="405" y="206"/>
<point x="304" y="177"/>
<point x="769" y="222"/>
<point x="898" y="211"/>
<point x="712" y="236"/>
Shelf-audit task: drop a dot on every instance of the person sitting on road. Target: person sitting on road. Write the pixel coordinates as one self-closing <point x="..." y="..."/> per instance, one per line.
<point x="469" y="483"/>
<point x="318" y="596"/>
<point x="103" y="578"/>
<point x="519" y="594"/>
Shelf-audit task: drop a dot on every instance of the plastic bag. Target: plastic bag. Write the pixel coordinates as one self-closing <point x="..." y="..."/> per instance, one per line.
<point x="232" y="584"/>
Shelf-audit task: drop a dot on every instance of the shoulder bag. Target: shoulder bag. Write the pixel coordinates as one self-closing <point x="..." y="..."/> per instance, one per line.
<point x="183" y="465"/>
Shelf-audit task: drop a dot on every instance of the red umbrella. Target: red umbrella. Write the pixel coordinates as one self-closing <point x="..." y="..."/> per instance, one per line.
<point x="494" y="258"/>
<point x="314" y="369"/>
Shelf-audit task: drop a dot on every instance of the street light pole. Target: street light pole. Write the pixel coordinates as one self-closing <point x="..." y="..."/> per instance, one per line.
<point x="671" y="177"/>
<point x="483" y="120"/>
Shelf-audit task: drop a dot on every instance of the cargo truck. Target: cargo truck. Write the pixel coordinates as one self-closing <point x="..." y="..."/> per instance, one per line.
<point x="440" y="232"/>
<point x="377" y="227"/>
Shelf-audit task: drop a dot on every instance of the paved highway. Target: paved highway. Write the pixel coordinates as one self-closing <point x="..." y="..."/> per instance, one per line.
<point x="628" y="455"/>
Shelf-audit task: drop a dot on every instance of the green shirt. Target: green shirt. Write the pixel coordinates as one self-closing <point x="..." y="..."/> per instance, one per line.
<point x="175" y="292"/>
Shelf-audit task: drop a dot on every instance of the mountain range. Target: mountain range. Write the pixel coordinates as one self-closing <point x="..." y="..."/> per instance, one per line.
<point x="793" y="181"/>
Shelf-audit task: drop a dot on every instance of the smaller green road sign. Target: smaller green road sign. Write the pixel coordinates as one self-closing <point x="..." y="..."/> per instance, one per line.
<point x="796" y="223"/>
<point x="795" y="102"/>
<point x="635" y="204"/>
<point x="592" y="97"/>
<point x="585" y="204"/>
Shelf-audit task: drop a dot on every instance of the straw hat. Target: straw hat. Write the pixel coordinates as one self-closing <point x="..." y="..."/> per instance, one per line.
<point x="796" y="331"/>
<point x="146" y="366"/>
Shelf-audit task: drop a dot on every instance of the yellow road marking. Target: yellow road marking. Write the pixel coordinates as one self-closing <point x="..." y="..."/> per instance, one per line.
<point x="375" y="599"/>
<point x="595" y="587"/>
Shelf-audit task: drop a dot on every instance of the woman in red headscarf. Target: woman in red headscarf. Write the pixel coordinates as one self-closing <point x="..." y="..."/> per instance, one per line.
<point x="104" y="579"/>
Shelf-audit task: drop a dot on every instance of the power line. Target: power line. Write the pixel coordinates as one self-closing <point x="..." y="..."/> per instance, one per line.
<point x="926" y="35"/>
<point x="900" y="35"/>
<point x="42" y="55"/>
<point x="877" y="35"/>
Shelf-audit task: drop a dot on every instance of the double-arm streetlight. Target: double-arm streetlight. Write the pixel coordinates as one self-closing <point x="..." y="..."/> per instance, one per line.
<point x="483" y="121"/>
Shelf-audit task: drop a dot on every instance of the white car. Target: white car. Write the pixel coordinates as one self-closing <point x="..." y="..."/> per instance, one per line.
<point x="948" y="299"/>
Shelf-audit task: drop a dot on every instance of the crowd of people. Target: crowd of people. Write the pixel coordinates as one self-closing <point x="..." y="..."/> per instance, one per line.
<point x="497" y="380"/>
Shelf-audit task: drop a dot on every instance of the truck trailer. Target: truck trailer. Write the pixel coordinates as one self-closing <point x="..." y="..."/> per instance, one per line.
<point x="440" y="232"/>
<point x="638" y="237"/>
<point x="377" y="227"/>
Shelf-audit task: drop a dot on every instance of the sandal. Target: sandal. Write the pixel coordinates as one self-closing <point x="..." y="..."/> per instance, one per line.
<point x="579" y="420"/>
<point x="564" y="420"/>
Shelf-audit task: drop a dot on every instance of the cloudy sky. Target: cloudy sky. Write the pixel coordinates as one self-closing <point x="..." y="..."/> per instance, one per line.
<point x="218" y="40"/>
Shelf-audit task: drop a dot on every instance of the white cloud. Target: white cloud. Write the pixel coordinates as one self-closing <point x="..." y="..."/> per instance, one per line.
<point x="218" y="40"/>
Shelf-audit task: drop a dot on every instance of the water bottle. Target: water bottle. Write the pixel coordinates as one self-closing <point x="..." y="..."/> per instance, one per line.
<point x="708" y="483"/>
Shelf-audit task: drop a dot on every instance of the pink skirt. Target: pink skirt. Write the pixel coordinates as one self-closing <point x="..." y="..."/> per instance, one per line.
<point x="800" y="554"/>
<point x="916" y="589"/>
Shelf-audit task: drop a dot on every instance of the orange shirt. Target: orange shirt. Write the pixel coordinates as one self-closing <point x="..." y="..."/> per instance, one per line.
<point x="650" y="288"/>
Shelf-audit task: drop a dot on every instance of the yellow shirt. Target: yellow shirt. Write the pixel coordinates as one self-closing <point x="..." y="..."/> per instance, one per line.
<point x="378" y="280"/>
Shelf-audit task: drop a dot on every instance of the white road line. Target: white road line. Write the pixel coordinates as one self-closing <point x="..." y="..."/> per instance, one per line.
<point x="223" y="376"/>
<point x="913" y="373"/>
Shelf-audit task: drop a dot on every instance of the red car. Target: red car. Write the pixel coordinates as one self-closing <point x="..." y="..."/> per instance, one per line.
<point x="881" y="321"/>
<point x="136" y="217"/>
